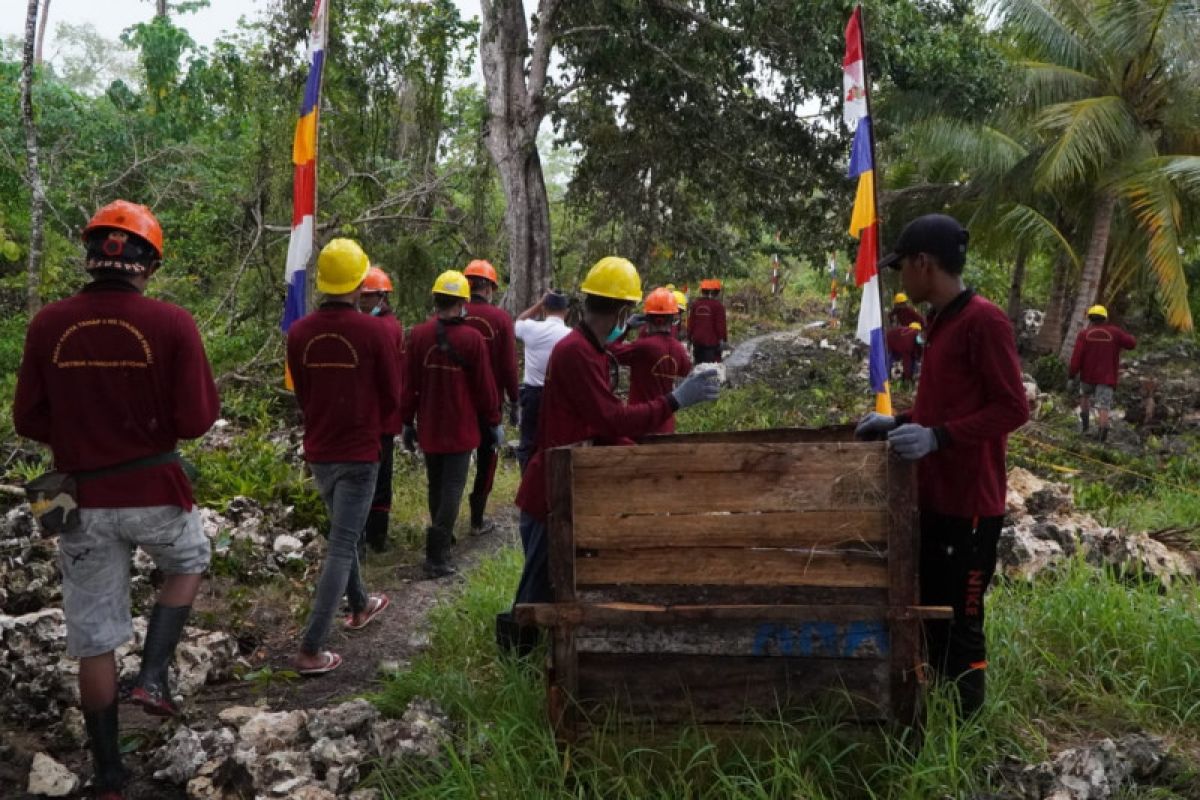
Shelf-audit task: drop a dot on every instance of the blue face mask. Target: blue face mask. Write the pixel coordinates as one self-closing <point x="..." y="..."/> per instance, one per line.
<point x="615" y="334"/>
<point x="376" y="311"/>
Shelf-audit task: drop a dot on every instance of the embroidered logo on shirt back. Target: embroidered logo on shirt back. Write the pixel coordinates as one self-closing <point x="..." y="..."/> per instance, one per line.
<point x="436" y="359"/>
<point x="330" y="351"/>
<point x="120" y="345"/>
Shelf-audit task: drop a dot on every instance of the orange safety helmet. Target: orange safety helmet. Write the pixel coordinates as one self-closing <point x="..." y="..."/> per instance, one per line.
<point x="482" y="269"/>
<point x="662" y="301"/>
<point x="376" y="281"/>
<point x="710" y="285"/>
<point x="129" y="217"/>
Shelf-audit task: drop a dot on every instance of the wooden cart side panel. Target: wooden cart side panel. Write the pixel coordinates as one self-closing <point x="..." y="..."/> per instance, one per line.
<point x="903" y="590"/>
<point x="561" y="523"/>
<point x="685" y="688"/>
<point x="824" y="529"/>
<point x="815" y="637"/>
<point x="740" y="567"/>
<point x="703" y="592"/>
<point x="835" y="433"/>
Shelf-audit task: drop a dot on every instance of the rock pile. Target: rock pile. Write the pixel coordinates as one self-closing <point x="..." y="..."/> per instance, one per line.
<point x="260" y="539"/>
<point x="314" y="754"/>
<point x="1095" y="772"/>
<point x="792" y="354"/>
<point x="38" y="680"/>
<point x="1044" y="529"/>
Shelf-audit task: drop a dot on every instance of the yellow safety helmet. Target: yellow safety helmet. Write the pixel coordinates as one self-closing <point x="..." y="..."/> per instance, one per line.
<point x="916" y="326"/>
<point x="680" y="299"/>
<point x="900" y="297"/>
<point x="670" y="287"/>
<point x="452" y="283"/>
<point x="1098" y="311"/>
<point x="614" y="277"/>
<point x="341" y="267"/>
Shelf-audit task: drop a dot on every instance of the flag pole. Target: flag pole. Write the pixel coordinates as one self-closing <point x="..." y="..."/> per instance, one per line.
<point x="310" y="267"/>
<point x="875" y="165"/>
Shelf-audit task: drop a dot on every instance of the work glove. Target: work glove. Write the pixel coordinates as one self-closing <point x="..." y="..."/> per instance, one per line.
<point x="635" y="321"/>
<point x="409" y="437"/>
<point x="512" y="414"/>
<point x="498" y="435"/>
<point x="874" y="426"/>
<point x="699" y="387"/>
<point x="912" y="442"/>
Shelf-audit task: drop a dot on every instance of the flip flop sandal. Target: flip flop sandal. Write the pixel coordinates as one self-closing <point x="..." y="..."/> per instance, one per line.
<point x="381" y="602"/>
<point x="331" y="662"/>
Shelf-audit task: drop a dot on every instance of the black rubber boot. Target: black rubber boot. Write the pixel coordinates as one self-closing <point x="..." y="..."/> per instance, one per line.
<point x="1103" y="435"/>
<point x="152" y="690"/>
<point x="478" y="506"/>
<point x="376" y="531"/>
<point x="515" y="639"/>
<point x="104" y="739"/>
<point x="972" y="691"/>
<point x="437" y="554"/>
<point x="1084" y="421"/>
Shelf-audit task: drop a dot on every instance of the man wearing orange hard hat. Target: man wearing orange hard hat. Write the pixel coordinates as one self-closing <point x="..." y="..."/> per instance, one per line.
<point x="497" y="328"/>
<point x="657" y="358"/>
<point x="706" y="324"/>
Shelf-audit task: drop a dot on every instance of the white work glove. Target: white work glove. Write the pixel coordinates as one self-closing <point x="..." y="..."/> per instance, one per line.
<point x="498" y="435"/>
<point x="912" y="442"/>
<point x="699" y="387"/>
<point x="874" y="426"/>
<point x="409" y="438"/>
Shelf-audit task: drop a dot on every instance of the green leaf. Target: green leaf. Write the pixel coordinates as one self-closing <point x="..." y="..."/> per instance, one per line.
<point x="10" y="250"/>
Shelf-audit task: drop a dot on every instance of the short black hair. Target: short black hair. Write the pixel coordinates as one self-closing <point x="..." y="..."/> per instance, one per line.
<point x="1097" y="318"/>
<point x="444" y="301"/>
<point x="477" y="283"/>
<point x="596" y="304"/>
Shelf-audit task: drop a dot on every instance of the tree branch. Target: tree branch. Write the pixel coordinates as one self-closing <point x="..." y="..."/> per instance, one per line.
<point x="539" y="62"/>
<point x="696" y="16"/>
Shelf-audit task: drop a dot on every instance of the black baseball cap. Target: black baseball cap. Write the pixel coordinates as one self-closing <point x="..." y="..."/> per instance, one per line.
<point x="937" y="234"/>
<point x="555" y="300"/>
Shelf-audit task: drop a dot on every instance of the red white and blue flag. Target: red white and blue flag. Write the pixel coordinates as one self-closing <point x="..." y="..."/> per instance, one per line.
<point x="864" y="221"/>
<point x="304" y="176"/>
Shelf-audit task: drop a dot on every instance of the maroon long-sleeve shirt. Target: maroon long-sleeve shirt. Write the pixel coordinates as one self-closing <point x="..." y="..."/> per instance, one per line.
<point x="108" y="377"/>
<point x="905" y="315"/>
<point x="902" y="345"/>
<point x="654" y="362"/>
<point x="971" y="386"/>
<point x="394" y="424"/>
<point x="447" y="393"/>
<point x="1097" y="355"/>
<point x="347" y="374"/>
<point x="706" y="322"/>
<point x="579" y="405"/>
<point x="497" y="328"/>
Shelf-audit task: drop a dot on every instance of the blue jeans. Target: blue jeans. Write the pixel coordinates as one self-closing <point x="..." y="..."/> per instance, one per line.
<point x="347" y="489"/>
<point x="531" y="404"/>
<point x="535" y="584"/>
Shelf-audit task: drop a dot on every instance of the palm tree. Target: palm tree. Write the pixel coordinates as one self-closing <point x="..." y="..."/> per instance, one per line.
<point x="1112" y="91"/>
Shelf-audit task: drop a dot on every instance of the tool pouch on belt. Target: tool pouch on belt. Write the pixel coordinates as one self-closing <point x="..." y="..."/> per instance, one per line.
<point x="54" y="496"/>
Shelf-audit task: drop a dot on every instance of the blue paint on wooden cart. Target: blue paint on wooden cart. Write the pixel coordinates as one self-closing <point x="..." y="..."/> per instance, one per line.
<point x="827" y="639"/>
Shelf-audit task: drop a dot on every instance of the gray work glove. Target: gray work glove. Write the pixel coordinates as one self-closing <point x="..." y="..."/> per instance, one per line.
<point x="699" y="387"/>
<point x="409" y="438"/>
<point x="912" y="442"/>
<point x="636" y="321"/>
<point x="498" y="435"/>
<point x="874" y="426"/>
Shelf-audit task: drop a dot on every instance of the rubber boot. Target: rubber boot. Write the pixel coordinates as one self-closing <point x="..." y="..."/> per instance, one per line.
<point x="479" y="523"/>
<point x="1103" y="435"/>
<point x="152" y="690"/>
<point x="376" y="531"/>
<point x="437" y="554"/>
<point x="515" y="639"/>
<point x="1084" y="420"/>
<point x="104" y="739"/>
<point x="972" y="691"/>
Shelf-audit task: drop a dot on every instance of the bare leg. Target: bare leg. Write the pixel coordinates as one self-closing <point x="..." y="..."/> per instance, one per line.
<point x="97" y="681"/>
<point x="179" y="590"/>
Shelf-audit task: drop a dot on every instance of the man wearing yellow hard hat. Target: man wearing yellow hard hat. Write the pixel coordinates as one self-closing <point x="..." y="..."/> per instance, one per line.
<point x="578" y="405"/>
<point x="903" y="314"/>
<point x="1096" y="360"/>
<point x="449" y="404"/>
<point x="904" y="345"/>
<point x="347" y="373"/>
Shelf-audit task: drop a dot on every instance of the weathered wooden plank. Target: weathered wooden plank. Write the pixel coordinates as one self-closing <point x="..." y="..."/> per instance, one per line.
<point x="826" y="529"/>
<point x="710" y="594"/>
<point x="835" y="433"/>
<point x="814" y="486"/>
<point x="903" y="555"/>
<point x="561" y="524"/>
<point x="673" y="688"/>
<point x="565" y="685"/>
<point x="693" y="458"/>
<point x="860" y="638"/>
<point x="738" y="567"/>
<point x="633" y="614"/>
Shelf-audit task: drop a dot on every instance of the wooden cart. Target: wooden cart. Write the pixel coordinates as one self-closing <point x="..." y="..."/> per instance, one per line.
<point x="713" y="578"/>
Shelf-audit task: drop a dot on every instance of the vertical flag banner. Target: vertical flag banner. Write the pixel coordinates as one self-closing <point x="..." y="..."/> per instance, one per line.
<point x="304" y="179"/>
<point x="864" y="221"/>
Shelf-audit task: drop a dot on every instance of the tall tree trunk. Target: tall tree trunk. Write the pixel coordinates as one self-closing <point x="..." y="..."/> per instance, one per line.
<point x="43" y="21"/>
<point x="1018" y="282"/>
<point x="516" y="107"/>
<point x="1049" y="337"/>
<point x="1093" y="271"/>
<point x="160" y="8"/>
<point x="37" y="191"/>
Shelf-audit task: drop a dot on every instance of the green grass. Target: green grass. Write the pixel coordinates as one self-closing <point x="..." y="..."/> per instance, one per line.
<point x="1073" y="658"/>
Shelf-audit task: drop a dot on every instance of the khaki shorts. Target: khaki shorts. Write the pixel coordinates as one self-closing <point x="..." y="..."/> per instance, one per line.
<point x="95" y="563"/>
<point x="1102" y="396"/>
